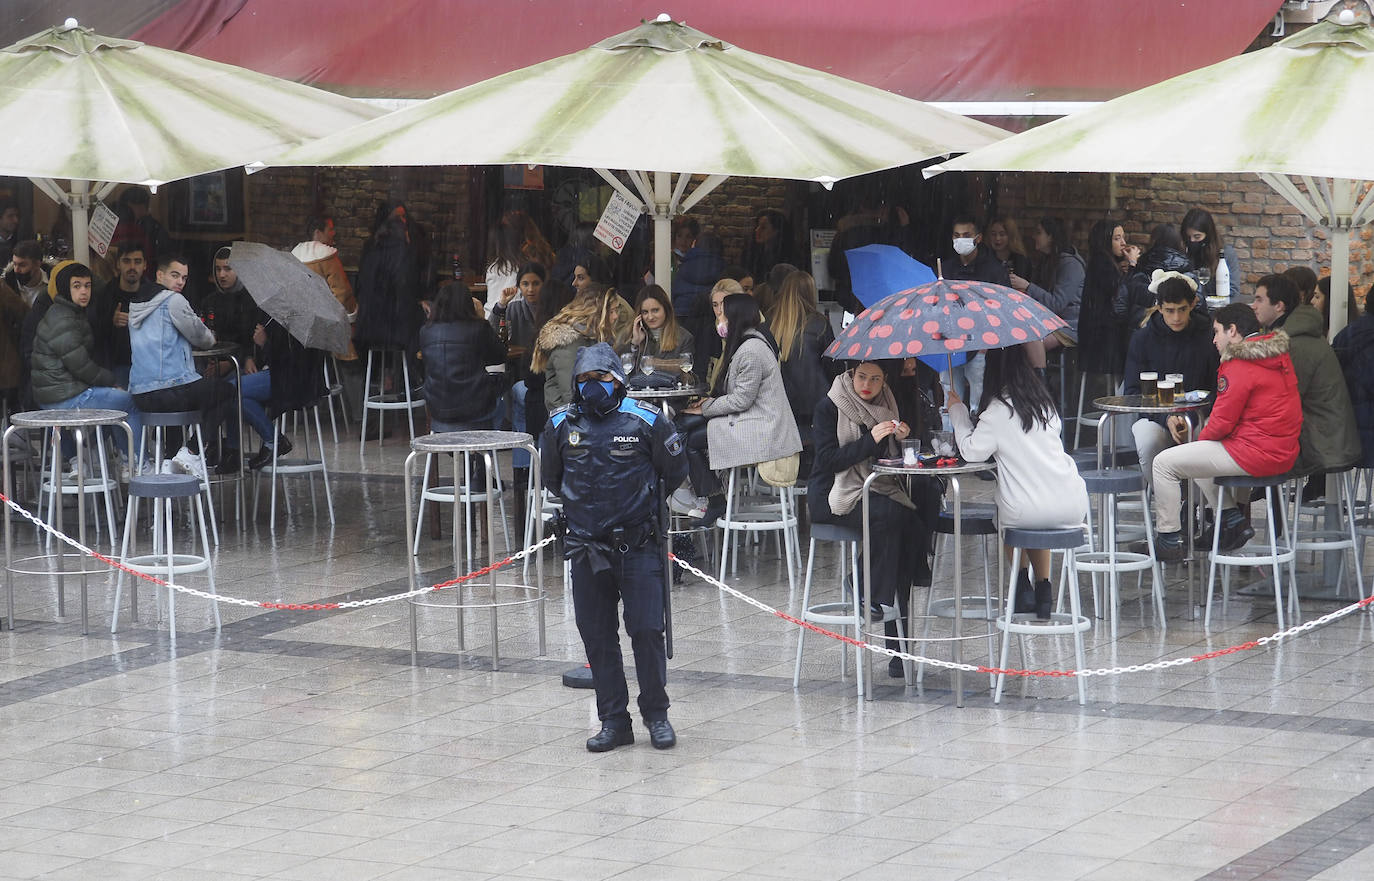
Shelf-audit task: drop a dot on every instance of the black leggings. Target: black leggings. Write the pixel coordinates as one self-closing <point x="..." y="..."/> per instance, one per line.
<point x="704" y="480"/>
<point x="214" y="399"/>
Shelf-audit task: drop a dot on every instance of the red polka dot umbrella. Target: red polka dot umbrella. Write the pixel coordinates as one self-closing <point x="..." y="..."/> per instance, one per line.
<point x="944" y="317"/>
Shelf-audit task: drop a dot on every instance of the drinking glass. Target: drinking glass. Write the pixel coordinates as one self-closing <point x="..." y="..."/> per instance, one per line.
<point x="1147" y="384"/>
<point x="646" y="365"/>
<point x="687" y="364"/>
<point x="627" y="363"/>
<point x="1204" y="277"/>
<point x="1166" y="392"/>
<point x="1177" y="380"/>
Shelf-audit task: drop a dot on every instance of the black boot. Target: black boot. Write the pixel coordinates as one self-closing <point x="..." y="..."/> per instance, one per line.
<point x="1024" y="601"/>
<point x="520" y="477"/>
<point x="1044" y="600"/>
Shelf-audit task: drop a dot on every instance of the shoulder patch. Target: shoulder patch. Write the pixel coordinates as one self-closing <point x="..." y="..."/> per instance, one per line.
<point x="674" y="444"/>
<point x="557" y="416"/>
<point x="648" y="413"/>
<point x="1222" y="383"/>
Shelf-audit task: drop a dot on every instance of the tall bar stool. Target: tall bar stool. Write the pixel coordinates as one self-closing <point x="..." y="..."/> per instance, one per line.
<point x="468" y="496"/>
<point x="164" y="562"/>
<point x="1275" y="556"/>
<point x="1073" y="623"/>
<point x="848" y="611"/>
<point x="742" y="517"/>
<point x="979" y="521"/>
<point x="297" y="466"/>
<point x="1318" y="538"/>
<point x="1092" y="419"/>
<point x="1106" y="557"/>
<point x="487" y="595"/>
<point x="53" y="487"/>
<point x="54" y="564"/>
<point x="334" y="386"/>
<point x="381" y="400"/>
<point x="189" y="422"/>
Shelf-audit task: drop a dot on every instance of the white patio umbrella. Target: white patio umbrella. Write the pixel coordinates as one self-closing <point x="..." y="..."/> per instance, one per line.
<point x="1300" y="114"/>
<point x="659" y="100"/>
<point x="97" y="110"/>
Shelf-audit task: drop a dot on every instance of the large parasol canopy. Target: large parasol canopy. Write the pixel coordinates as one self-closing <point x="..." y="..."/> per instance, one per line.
<point x="80" y="107"/>
<point x="1300" y="114"/>
<point x="659" y="100"/>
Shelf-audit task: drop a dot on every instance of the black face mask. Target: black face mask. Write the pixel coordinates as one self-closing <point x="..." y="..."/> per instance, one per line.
<point x="597" y="396"/>
<point x="1197" y="252"/>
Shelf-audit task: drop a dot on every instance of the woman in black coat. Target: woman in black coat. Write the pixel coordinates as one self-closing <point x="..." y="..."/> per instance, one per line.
<point x="389" y="284"/>
<point x="457" y="344"/>
<point x="1105" y="311"/>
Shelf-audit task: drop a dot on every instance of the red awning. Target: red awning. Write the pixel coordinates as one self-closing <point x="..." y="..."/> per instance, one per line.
<point x="994" y="50"/>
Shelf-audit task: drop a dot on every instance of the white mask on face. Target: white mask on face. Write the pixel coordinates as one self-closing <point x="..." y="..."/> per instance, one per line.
<point x="965" y="246"/>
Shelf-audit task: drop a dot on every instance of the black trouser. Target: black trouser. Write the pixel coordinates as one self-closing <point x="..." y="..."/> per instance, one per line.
<point x="636" y="578"/>
<point x="214" y="399"/>
<point x="704" y="480"/>
<point x="897" y="541"/>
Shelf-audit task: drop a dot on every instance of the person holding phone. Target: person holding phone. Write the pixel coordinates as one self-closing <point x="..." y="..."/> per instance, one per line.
<point x="655" y="332"/>
<point x="109" y="309"/>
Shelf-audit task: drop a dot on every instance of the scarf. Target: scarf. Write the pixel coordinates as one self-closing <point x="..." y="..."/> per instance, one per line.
<point x="857" y="417"/>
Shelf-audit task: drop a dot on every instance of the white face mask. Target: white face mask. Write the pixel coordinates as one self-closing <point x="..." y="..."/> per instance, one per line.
<point x="964" y="247"/>
<point x="722" y="329"/>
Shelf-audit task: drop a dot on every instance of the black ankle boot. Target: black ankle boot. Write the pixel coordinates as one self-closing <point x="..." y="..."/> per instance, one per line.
<point x="1024" y="600"/>
<point x="1044" y="600"/>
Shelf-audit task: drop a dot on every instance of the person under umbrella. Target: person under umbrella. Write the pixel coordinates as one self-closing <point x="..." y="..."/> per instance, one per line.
<point x="1038" y="485"/>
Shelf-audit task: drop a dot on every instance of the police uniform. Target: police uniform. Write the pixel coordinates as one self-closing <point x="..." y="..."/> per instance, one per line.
<point x="604" y="456"/>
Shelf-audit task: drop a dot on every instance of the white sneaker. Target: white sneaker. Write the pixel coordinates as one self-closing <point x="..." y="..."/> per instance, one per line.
<point x="122" y="466"/>
<point x="682" y="501"/>
<point x="166" y="467"/>
<point x="70" y="475"/>
<point x="190" y="463"/>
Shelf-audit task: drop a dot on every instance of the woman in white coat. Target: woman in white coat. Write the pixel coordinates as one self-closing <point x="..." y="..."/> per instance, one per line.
<point x="1038" y="485"/>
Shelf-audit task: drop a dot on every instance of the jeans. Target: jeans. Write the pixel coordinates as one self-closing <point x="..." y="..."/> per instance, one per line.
<point x="636" y="578"/>
<point x="519" y="458"/>
<point x="106" y="398"/>
<point x="257" y="391"/>
<point x="970" y="373"/>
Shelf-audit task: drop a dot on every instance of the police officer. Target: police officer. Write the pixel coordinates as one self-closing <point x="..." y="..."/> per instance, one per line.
<point x="604" y="456"/>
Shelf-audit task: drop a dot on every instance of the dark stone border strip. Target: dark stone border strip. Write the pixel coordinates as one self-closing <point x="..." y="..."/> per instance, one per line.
<point x="1309" y="849"/>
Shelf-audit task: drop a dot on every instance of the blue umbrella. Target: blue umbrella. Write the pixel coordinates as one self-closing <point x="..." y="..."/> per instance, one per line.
<point x="876" y="272"/>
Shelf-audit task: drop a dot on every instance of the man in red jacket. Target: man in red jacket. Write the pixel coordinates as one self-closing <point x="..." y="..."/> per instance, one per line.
<point x="1253" y="429"/>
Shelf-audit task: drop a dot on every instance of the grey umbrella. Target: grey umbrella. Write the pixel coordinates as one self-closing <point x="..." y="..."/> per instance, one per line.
<point x="293" y="295"/>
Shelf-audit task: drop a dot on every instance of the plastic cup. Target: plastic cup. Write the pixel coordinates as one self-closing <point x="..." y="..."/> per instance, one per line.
<point x="911" y="451"/>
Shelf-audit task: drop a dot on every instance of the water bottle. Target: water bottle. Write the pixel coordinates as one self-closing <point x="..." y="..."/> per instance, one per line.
<point x="457" y="268"/>
<point x="1223" y="276"/>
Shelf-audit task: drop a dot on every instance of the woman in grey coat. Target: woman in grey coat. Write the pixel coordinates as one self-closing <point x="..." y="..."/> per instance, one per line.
<point x="748" y="417"/>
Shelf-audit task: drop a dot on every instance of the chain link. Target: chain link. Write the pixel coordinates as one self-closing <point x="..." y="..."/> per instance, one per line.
<point x="264" y="604"/>
<point x="972" y="668"/>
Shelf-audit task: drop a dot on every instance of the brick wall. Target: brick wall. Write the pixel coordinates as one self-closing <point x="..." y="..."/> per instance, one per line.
<point x="279" y="200"/>
<point x="1268" y="234"/>
<point x="730" y="209"/>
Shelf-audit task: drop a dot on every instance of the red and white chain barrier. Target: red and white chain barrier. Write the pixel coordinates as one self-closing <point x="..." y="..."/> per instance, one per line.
<point x="739" y="595"/>
<point x="980" y="668"/>
<point x="264" y="604"/>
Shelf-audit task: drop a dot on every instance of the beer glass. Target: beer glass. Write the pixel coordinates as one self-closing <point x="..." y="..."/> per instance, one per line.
<point x="1147" y="384"/>
<point x="1166" y="392"/>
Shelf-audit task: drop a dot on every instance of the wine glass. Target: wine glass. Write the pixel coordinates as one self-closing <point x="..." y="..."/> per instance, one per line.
<point x="627" y="363"/>
<point x="687" y="365"/>
<point x="646" y="365"/>
<point x="1204" y="278"/>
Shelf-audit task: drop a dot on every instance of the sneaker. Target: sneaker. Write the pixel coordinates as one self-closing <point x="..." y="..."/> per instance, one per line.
<point x="1235" y="530"/>
<point x="166" y="467"/>
<point x="682" y="501"/>
<point x="76" y="470"/>
<point x="1169" y="547"/>
<point x="122" y="466"/>
<point x="188" y="462"/>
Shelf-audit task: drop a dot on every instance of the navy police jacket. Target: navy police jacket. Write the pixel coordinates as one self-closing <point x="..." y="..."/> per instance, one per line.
<point x="606" y="468"/>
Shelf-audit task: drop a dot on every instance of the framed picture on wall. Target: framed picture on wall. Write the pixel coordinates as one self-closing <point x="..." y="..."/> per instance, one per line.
<point x="208" y="203"/>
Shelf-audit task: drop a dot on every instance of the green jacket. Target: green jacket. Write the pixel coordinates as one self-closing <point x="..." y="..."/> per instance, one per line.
<point x="63" y="366"/>
<point x="1330" y="438"/>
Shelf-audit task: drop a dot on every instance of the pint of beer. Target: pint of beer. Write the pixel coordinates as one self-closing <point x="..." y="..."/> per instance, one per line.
<point x="1166" y="392"/>
<point x="1147" y="384"/>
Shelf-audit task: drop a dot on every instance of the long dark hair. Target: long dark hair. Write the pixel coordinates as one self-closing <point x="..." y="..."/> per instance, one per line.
<point x="1104" y="274"/>
<point x="453" y="302"/>
<point x="1045" y="270"/>
<point x="1010" y="377"/>
<point x="742" y="314"/>
<point x="553" y="296"/>
<point x="1201" y="220"/>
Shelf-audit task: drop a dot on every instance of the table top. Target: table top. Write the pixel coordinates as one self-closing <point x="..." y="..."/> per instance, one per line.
<point x="470" y="441"/>
<point x="935" y="470"/>
<point x="66" y="418"/>
<point x="1142" y="404"/>
<point x="658" y="394"/>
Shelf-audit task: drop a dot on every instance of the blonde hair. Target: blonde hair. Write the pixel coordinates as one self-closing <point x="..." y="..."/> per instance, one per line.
<point x="668" y="336"/>
<point x="590" y="312"/>
<point x="1014" y="241"/>
<point x="794" y="307"/>
<point x="729" y="285"/>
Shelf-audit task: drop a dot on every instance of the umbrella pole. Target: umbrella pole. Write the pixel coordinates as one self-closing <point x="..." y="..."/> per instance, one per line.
<point x="79" y="200"/>
<point x="663" y="231"/>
